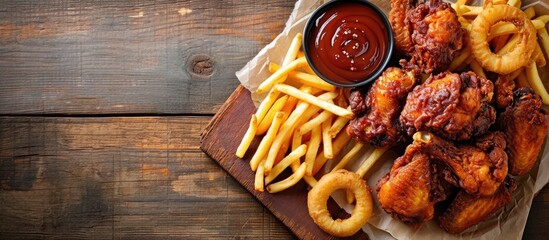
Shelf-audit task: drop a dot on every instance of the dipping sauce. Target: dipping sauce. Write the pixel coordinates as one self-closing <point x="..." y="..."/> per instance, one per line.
<point x="348" y="42"/>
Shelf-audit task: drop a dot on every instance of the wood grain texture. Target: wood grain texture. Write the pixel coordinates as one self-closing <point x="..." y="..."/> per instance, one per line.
<point x="131" y="178"/>
<point x="108" y="57"/>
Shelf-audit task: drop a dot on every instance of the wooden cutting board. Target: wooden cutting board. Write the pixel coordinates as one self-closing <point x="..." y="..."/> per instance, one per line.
<point x="220" y="140"/>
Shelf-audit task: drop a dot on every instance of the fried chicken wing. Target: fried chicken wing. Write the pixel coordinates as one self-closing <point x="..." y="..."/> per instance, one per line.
<point x="436" y="36"/>
<point x="378" y="111"/>
<point x="525" y="128"/>
<point x="401" y="32"/>
<point x="453" y="106"/>
<point x="481" y="167"/>
<point x="467" y="210"/>
<point x="503" y="91"/>
<point x="411" y="189"/>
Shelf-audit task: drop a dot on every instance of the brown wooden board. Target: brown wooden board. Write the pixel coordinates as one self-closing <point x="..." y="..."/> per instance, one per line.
<point x="220" y="140"/>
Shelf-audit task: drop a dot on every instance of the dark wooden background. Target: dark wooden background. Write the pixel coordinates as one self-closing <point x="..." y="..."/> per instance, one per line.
<point x="102" y="104"/>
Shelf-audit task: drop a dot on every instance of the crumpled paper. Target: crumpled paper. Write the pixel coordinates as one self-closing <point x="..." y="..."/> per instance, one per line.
<point x="509" y="223"/>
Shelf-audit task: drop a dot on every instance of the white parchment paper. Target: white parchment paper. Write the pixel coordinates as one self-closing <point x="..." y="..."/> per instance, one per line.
<point x="506" y="224"/>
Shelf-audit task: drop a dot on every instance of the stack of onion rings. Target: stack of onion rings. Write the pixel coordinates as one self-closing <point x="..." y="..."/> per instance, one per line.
<point x="512" y="60"/>
<point x="318" y="197"/>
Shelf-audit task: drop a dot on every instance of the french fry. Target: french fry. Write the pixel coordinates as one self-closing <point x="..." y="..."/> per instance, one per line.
<point x="295" y="45"/>
<point x="339" y="124"/>
<point x="475" y="66"/>
<point x="312" y="149"/>
<point x="522" y="80"/>
<point x="348" y="156"/>
<point x="514" y="3"/>
<point x="337" y="110"/>
<point x="327" y="139"/>
<point x="267" y="141"/>
<point x="536" y="83"/>
<point x="248" y="137"/>
<point x="365" y="166"/>
<point x="544" y="39"/>
<point x="267" y="120"/>
<point x="280" y="75"/>
<point x="296" y="140"/>
<point x="305" y="78"/>
<point x="259" y="180"/>
<point x="265" y="105"/>
<point x="288" y="127"/>
<point x="505" y="28"/>
<point x="337" y="144"/>
<point x="460" y="59"/>
<point x="315" y="122"/>
<point x="538" y="56"/>
<point x="294" y="156"/>
<point x="530" y="12"/>
<point x="288" y="182"/>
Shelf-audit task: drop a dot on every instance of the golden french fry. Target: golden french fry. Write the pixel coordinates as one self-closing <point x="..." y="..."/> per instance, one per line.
<point x="296" y="140"/>
<point x="536" y="83"/>
<point x="312" y="149"/>
<point x="544" y="39"/>
<point x="460" y="59"/>
<point x="289" y="126"/>
<point x="337" y="110"/>
<point x="339" y="124"/>
<point x="509" y="45"/>
<point x="267" y="141"/>
<point x="295" y="45"/>
<point x="522" y="80"/>
<point x="538" y="56"/>
<point x="475" y="66"/>
<point x="267" y="120"/>
<point x="327" y="138"/>
<point x="315" y="122"/>
<point x="300" y="54"/>
<point x="543" y="18"/>
<point x="500" y="41"/>
<point x="337" y="144"/>
<point x="305" y="78"/>
<point x="259" y="180"/>
<point x="288" y="182"/>
<point x="265" y="105"/>
<point x="294" y="156"/>
<point x="348" y="156"/>
<point x="280" y="75"/>
<point x="530" y="12"/>
<point x="514" y="3"/>
<point x="369" y="162"/>
<point x="505" y="28"/>
<point x="248" y="137"/>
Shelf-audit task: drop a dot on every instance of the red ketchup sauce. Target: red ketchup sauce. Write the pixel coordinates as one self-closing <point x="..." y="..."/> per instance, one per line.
<point x="348" y="43"/>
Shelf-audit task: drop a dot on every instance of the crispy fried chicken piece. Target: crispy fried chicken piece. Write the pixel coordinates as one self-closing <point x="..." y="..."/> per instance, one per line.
<point x="453" y="106"/>
<point x="411" y="189"/>
<point x="436" y="36"/>
<point x="503" y="90"/>
<point x="467" y="210"/>
<point x="401" y="32"/>
<point x="378" y="111"/>
<point x="481" y="166"/>
<point x="525" y="128"/>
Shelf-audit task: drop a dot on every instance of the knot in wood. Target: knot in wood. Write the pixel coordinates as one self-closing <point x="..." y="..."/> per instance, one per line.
<point x="201" y="66"/>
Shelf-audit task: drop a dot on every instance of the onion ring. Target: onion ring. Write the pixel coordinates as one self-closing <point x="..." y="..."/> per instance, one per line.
<point x="318" y="197"/>
<point x="512" y="60"/>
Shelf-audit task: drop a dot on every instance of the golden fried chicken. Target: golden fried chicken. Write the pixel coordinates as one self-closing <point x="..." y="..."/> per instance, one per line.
<point x="503" y="91"/>
<point x="453" y="106"/>
<point x="413" y="186"/>
<point x="467" y="210"/>
<point x="436" y="36"/>
<point x="481" y="166"/>
<point x="378" y="111"/>
<point x="525" y="128"/>
<point x="401" y="32"/>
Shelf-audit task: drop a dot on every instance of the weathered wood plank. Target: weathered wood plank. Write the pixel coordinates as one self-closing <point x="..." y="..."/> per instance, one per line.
<point x="133" y="178"/>
<point x="101" y="57"/>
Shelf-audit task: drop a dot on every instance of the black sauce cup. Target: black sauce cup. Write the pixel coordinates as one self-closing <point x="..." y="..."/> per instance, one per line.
<point x="308" y="34"/>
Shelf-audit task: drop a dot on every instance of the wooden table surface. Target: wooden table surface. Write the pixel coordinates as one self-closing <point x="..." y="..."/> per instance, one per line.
<point x="102" y="104"/>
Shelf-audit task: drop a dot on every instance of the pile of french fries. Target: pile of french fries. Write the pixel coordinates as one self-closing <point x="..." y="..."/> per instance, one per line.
<point x="301" y="124"/>
<point x="503" y="38"/>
